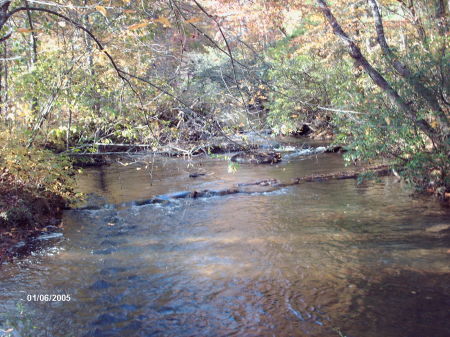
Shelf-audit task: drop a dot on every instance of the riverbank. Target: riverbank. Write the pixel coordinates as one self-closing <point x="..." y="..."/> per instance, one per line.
<point x="26" y="212"/>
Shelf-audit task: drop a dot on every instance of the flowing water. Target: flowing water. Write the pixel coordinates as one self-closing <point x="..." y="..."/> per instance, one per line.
<point x="318" y="259"/>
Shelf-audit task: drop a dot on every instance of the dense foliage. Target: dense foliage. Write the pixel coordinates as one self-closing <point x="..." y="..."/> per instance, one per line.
<point x="35" y="184"/>
<point x="84" y="72"/>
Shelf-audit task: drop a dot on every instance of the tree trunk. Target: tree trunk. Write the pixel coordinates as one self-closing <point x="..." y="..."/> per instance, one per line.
<point x="2" y="74"/>
<point x="5" y="79"/>
<point x="418" y="23"/>
<point x="442" y="22"/>
<point x="377" y="78"/>
<point x="441" y="16"/>
<point x="4" y="6"/>
<point x="88" y="42"/>
<point x="403" y="70"/>
<point x="34" y="58"/>
<point x="69" y="125"/>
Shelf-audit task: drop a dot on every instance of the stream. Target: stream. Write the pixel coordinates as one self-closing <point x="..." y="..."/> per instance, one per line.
<point x="330" y="258"/>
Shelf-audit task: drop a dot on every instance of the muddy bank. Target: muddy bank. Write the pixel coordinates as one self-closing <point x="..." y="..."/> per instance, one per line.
<point x="25" y="215"/>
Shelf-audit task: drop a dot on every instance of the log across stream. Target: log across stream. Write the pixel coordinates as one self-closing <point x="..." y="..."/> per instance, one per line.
<point x="260" y="186"/>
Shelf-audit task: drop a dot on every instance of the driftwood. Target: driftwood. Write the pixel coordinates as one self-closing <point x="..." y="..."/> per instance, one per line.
<point x="265" y="182"/>
<point x="169" y="150"/>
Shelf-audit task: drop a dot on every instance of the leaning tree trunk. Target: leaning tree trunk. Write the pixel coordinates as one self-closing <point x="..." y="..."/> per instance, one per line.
<point x="404" y="71"/>
<point x="360" y="60"/>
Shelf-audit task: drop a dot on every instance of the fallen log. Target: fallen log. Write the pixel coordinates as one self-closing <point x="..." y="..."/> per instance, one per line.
<point x="264" y="182"/>
<point x="380" y="170"/>
<point x="261" y="186"/>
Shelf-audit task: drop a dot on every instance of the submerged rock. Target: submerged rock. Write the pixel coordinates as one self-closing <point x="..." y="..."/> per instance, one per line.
<point x="106" y="251"/>
<point x="196" y="174"/>
<point x="256" y="158"/>
<point x="304" y="130"/>
<point x="438" y="228"/>
<point x="336" y="149"/>
<point x="306" y="152"/>
<point x="49" y="236"/>
<point x="105" y="319"/>
<point x="176" y="195"/>
<point x="100" y="284"/>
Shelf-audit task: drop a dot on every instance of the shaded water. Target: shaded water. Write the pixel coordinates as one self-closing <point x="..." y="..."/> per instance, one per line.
<point x="319" y="259"/>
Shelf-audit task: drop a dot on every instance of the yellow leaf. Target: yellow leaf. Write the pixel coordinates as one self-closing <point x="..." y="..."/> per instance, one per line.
<point x="24" y="30"/>
<point x="193" y="20"/>
<point x="126" y="1"/>
<point x="163" y="20"/>
<point x="138" y="25"/>
<point x="129" y="11"/>
<point x="102" y="10"/>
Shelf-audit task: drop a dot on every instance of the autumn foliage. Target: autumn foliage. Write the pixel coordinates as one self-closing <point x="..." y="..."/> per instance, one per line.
<point x="373" y="75"/>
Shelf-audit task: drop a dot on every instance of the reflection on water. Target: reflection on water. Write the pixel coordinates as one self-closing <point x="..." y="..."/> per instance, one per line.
<point x="316" y="259"/>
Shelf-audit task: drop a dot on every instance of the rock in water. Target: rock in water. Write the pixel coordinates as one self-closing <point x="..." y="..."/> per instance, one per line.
<point x="438" y="228"/>
<point x="196" y="175"/>
<point x="256" y="158"/>
<point x="336" y="149"/>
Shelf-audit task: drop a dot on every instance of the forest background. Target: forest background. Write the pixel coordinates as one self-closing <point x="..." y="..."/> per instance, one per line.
<point x="372" y="75"/>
